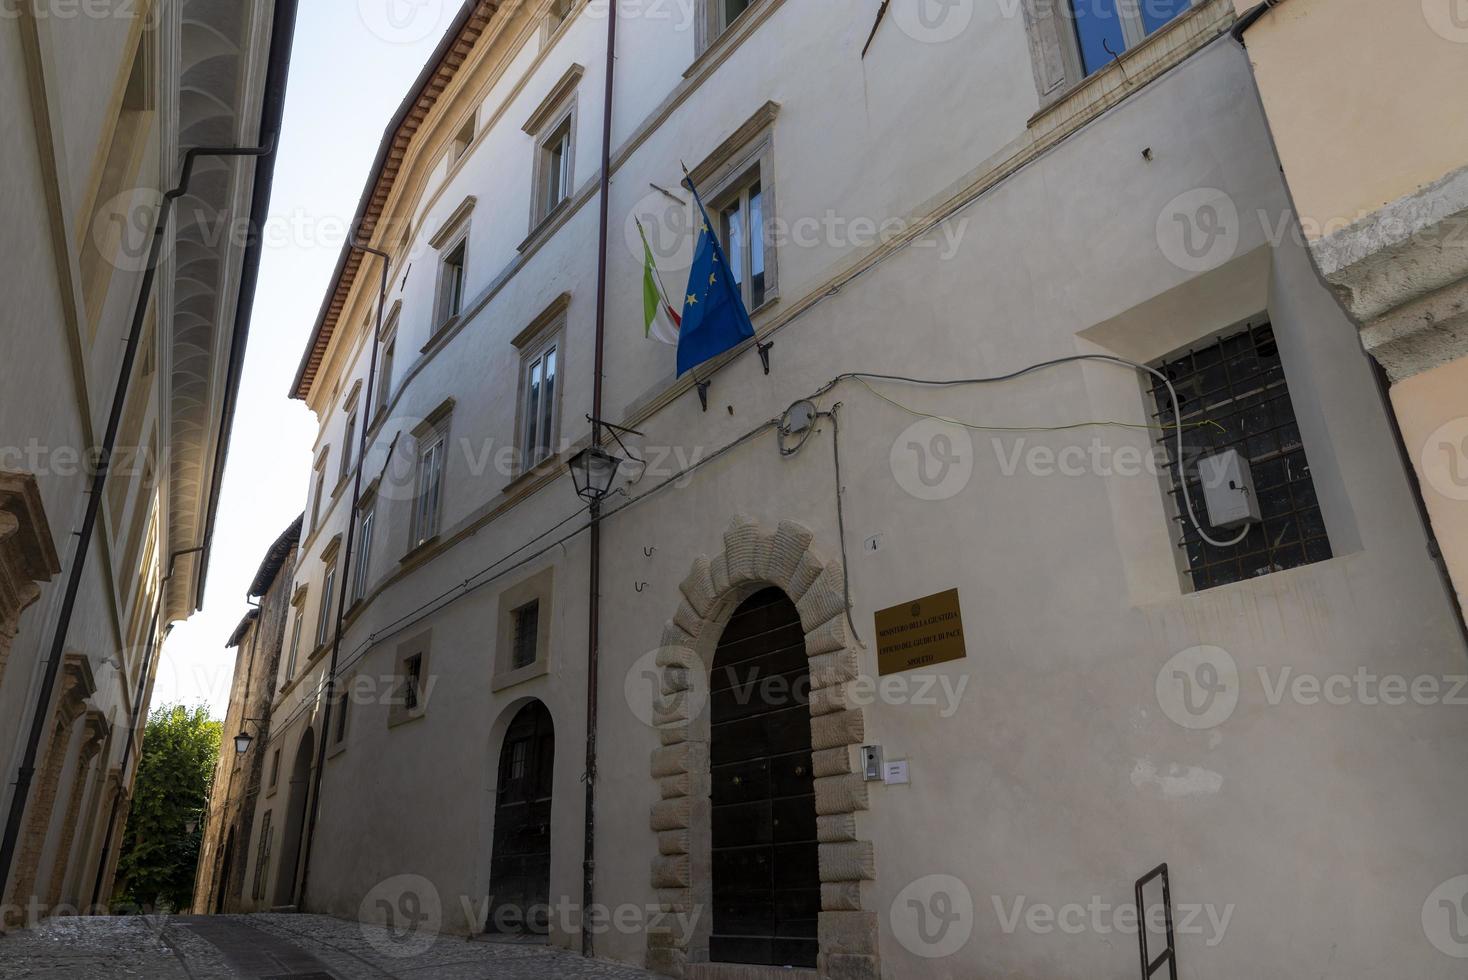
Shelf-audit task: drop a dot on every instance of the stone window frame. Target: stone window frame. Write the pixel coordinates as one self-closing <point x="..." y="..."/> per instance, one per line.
<point x="398" y="712"/>
<point x="558" y="16"/>
<point x="330" y="582"/>
<point x="298" y="625"/>
<point x="711" y="25"/>
<point x="451" y="238"/>
<point x="560" y="109"/>
<point x="1055" y="51"/>
<point x="754" y="558"/>
<point x="341" y="722"/>
<point x="747" y="155"/>
<point x="539" y="587"/>
<point x="546" y="331"/>
<point x="274" y="782"/>
<point x="432" y="432"/>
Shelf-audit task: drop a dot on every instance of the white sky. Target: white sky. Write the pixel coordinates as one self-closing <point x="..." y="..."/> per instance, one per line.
<point x="352" y="65"/>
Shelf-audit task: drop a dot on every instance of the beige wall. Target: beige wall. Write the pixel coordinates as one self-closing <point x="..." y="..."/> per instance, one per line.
<point x="1357" y="94"/>
<point x="1432" y="409"/>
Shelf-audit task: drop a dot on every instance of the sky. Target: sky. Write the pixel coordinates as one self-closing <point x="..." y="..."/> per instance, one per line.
<point x="352" y="65"/>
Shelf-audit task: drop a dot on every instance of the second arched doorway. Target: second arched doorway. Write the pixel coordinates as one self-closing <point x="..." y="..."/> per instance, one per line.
<point x="295" y="820"/>
<point x="519" y="871"/>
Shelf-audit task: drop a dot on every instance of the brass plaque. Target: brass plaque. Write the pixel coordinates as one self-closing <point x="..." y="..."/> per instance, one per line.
<point x="920" y="634"/>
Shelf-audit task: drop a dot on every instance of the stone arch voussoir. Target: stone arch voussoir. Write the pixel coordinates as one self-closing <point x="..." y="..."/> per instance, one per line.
<point x="756" y="556"/>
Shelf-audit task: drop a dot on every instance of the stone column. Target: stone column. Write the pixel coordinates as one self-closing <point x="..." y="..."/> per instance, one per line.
<point x="94" y="733"/>
<point x="76" y="686"/>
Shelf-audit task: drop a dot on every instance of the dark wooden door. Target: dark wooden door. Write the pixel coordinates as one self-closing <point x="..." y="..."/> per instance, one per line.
<point x="519" y="872"/>
<point x="766" y="881"/>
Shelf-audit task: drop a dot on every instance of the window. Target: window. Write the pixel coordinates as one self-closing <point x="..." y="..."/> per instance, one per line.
<point x="362" y="559"/>
<point x="527" y="632"/>
<point x="742" y="228"/>
<point x="718" y="16"/>
<point x="275" y="769"/>
<point x="414" y="684"/>
<point x="1237" y="389"/>
<point x="464" y="139"/>
<point x="262" y="857"/>
<point x="1103" y="29"/>
<point x="412" y="681"/>
<point x="349" y="446"/>
<point x="560" y="11"/>
<point x="451" y="282"/>
<point x="339" y="723"/>
<point x="431" y="453"/>
<point x="523" y="632"/>
<point x="539" y="409"/>
<point x="291" y="659"/>
<point x="319" y="493"/>
<point x="552" y="126"/>
<point x="382" y="394"/>
<point x="323" y="620"/>
<point x="554" y="179"/>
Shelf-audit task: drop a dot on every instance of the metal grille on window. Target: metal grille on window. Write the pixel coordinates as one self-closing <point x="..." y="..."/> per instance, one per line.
<point x="527" y="630"/>
<point x="1234" y="395"/>
<point x="414" y="671"/>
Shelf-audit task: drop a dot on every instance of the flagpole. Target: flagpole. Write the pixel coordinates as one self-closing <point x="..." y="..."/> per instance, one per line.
<point x="593" y="625"/>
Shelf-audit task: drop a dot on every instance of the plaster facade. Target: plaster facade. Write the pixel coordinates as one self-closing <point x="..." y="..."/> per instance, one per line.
<point x="102" y="101"/>
<point x="1053" y="765"/>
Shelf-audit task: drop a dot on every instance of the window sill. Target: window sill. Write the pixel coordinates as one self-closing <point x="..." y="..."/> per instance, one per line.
<point x="1161" y="50"/>
<point x="546" y="466"/>
<point x="272" y="791"/>
<point x="732" y="36"/>
<point x="441" y="332"/>
<point x="546" y="225"/>
<point x="397" y="717"/>
<point x="418" y="551"/>
<point x="521" y="675"/>
<point x="336" y="749"/>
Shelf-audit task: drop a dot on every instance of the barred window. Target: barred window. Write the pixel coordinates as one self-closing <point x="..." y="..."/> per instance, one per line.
<point x="1234" y="395"/>
<point x="527" y="632"/>
<point x="412" y="681"/>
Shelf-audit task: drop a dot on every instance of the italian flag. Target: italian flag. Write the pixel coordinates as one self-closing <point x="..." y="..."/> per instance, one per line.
<point x="662" y="322"/>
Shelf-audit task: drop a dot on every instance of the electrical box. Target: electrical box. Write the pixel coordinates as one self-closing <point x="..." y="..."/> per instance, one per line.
<point x="871" y="763"/>
<point x="1228" y="490"/>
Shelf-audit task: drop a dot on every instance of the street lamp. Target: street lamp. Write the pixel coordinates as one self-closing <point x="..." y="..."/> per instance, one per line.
<point x="244" y="739"/>
<point x="592" y="471"/>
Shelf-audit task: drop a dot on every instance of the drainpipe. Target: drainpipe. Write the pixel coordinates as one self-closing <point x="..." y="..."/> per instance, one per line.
<point x="94" y="499"/>
<point x="134" y="722"/>
<point x="345" y="576"/>
<point x="593" y="624"/>
<point x="1251" y="18"/>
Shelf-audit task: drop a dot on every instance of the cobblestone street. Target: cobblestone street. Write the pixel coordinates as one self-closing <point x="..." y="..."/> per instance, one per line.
<point x="273" y="947"/>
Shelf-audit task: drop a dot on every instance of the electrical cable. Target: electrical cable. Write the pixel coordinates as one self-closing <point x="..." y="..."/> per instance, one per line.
<point x="472" y="583"/>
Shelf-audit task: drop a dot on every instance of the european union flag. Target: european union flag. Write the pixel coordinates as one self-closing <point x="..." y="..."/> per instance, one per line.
<point x="714" y="317"/>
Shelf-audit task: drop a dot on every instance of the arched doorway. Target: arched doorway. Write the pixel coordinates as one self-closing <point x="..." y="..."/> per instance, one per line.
<point x="295" y="821"/>
<point x="766" y="875"/>
<point x="519" y="871"/>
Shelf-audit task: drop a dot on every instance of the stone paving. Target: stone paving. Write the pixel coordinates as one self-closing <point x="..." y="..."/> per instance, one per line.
<point x="274" y="947"/>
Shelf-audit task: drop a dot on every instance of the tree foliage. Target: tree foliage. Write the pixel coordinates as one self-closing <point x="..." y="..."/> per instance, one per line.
<point x="175" y="773"/>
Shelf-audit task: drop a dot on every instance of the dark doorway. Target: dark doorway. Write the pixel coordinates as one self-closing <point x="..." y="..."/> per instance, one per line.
<point x="295" y="821"/>
<point x="225" y="865"/>
<point x="519" y="870"/>
<point x="766" y="879"/>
